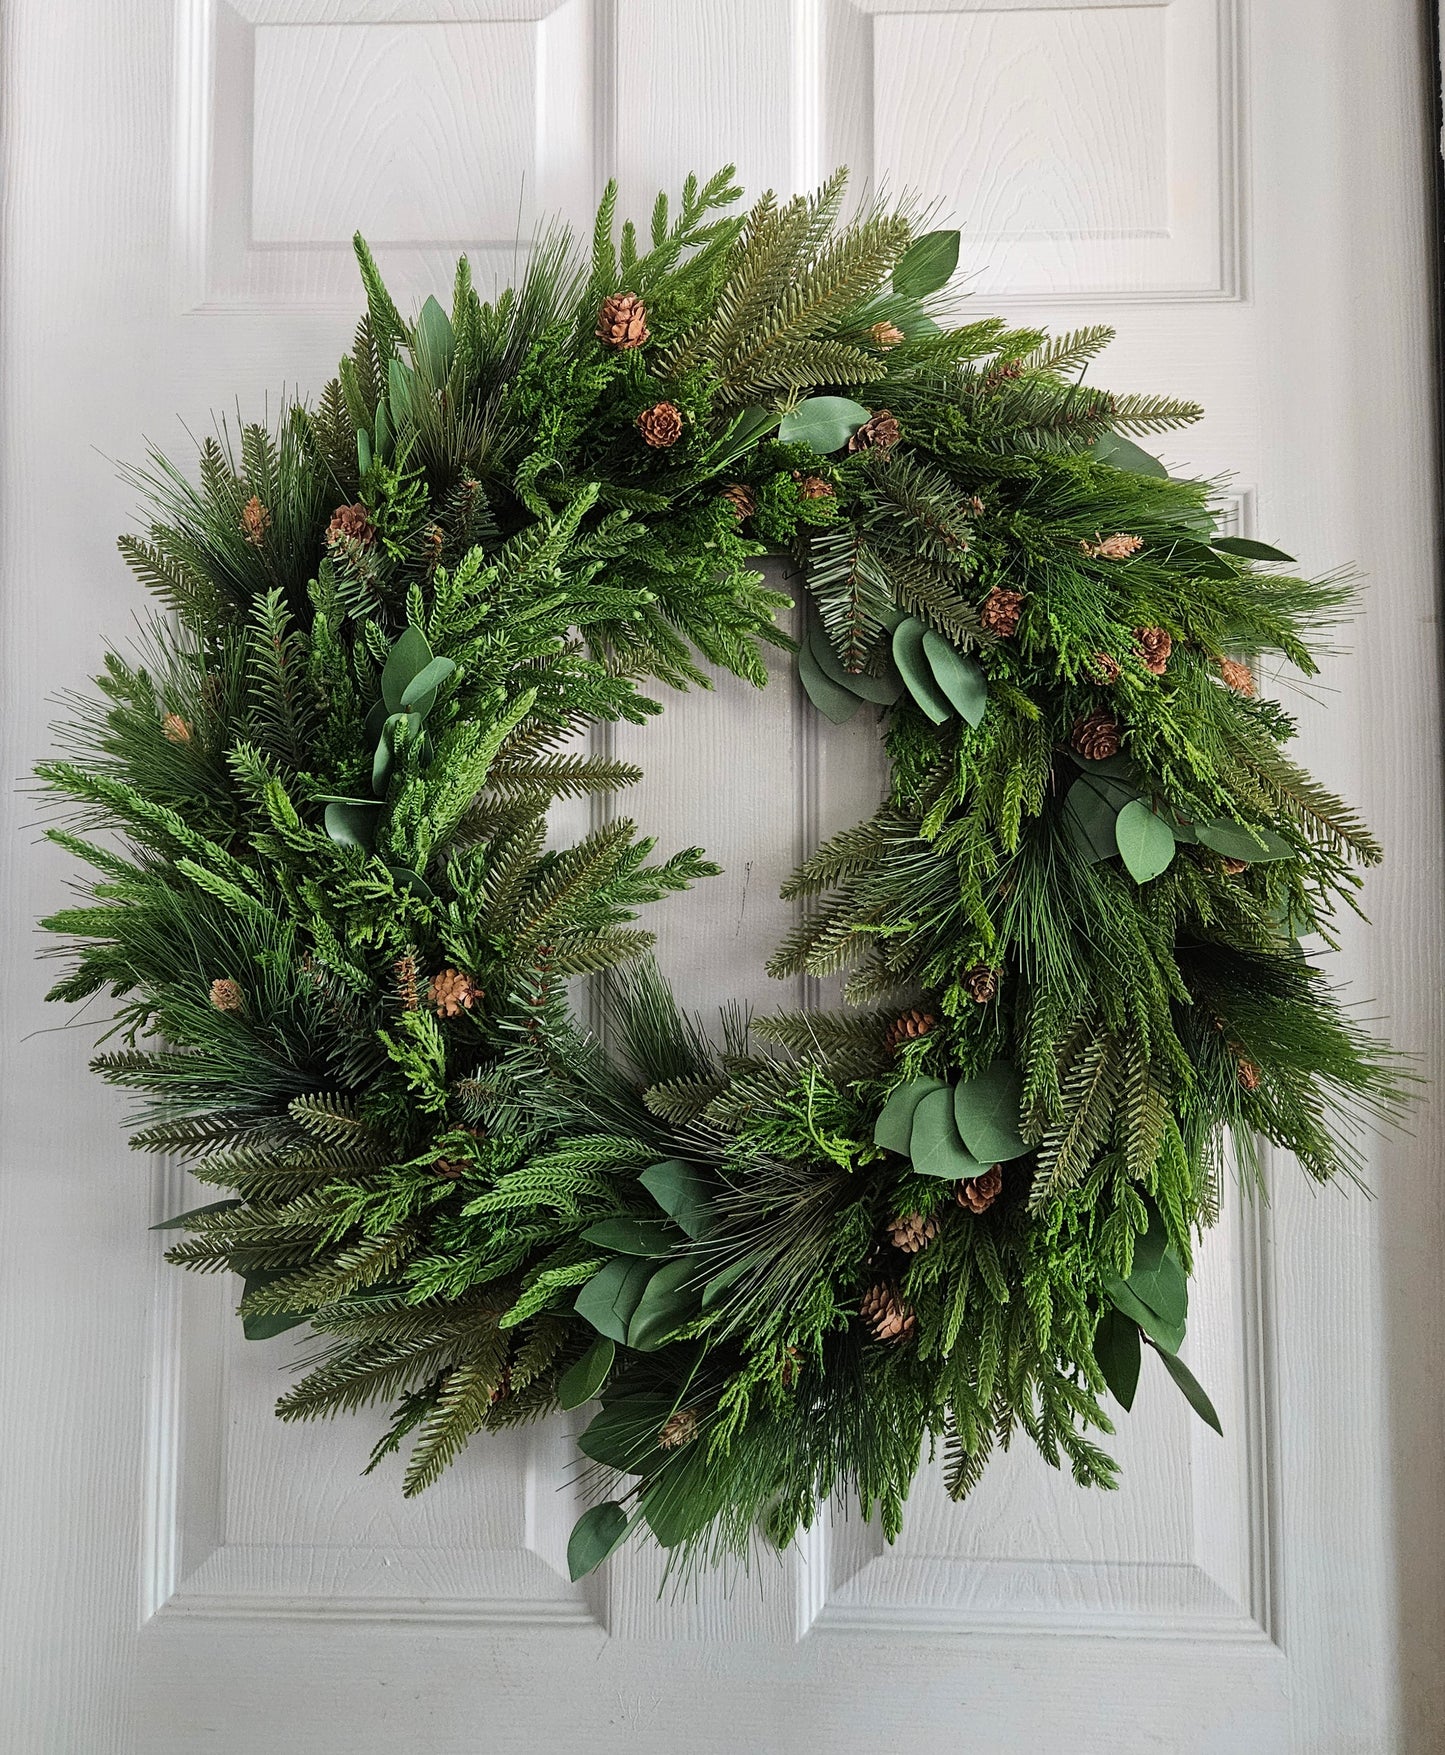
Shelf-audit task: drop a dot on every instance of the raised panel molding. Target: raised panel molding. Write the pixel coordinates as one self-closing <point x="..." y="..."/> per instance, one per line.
<point x="1089" y="149"/>
<point x="435" y="127"/>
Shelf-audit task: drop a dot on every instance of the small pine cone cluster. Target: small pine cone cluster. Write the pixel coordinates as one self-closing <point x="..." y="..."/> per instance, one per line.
<point x="174" y="729"/>
<point x="678" y="1429"/>
<point x="1096" y="736"/>
<point x="911" y="1232"/>
<point x="886" y="1313"/>
<point x="451" y="993"/>
<point x="226" y="995"/>
<point x="981" y="983"/>
<point x="1112" y="548"/>
<point x="1000" y="611"/>
<point x="351" y="524"/>
<point x="255" y="521"/>
<point x="908" y="1028"/>
<point x="1106" y="669"/>
<point x="661" y="425"/>
<point x="450" y="1169"/>
<point x="1233" y="867"/>
<point x="1249" y="1074"/>
<point x="622" y="322"/>
<point x="1237" y="676"/>
<point x="741" y="498"/>
<point x="812" y="487"/>
<point x="880" y="432"/>
<point x="885" y="334"/>
<point x="1155" y="645"/>
<point x="979" y="1193"/>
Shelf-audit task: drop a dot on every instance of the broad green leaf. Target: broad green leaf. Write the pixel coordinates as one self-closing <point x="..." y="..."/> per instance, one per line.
<point x="959" y="677"/>
<point x="1117" y="1351"/>
<point x="936" y="1147"/>
<point x="668" y="1299"/>
<point x="651" y="1237"/>
<point x="363" y="450"/>
<point x="894" y="1126"/>
<point x="824" y="422"/>
<point x="1121" y="453"/>
<point x="681" y="1497"/>
<point x="1145" y="841"/>
<point x="581" y="1382"/>
<point x="1089" y="821"/>
<point x="412" y="882"/>
<point x="609" y="1298"/>
<point x="830" y="698"/>
<point x="623" y="1435"/>
<point x="883" y="691"/>
<point x="1193" y="1389"/>
<point x="1200" y="559"/>
<point x="381" y="431"/>
<point x="1251" y="550"/>
<point x="398" y="388"/>
<point x="353" y="825"/>
<point x="729" y="1276"/>
<point x="409" y="656"/>
<point x="1234" y="841"/>
<point x="1167" y="1335"/>
<point x="420" y="694"/>
<point x="265" y="1327"/>
<point x="594" y="1536"/>
<point x="1149" y="1249"/>
<point x="1164" y="1288"/>
<point x="926" y="265"/>
<point x="435" y="342"/>
<point x="986" y="1109"/>
<point x="683" y="1194"/>
<point x="917" y="672"/>
<point x="181" y="1220"/>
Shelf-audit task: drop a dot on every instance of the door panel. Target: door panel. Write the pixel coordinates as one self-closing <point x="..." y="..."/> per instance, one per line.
<point x="1246" y="187"/>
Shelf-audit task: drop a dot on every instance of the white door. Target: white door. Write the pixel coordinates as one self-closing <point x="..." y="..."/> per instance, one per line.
<point x="1243" y="186"/>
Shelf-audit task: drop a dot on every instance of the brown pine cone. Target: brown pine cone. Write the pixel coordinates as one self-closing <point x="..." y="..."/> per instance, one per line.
<point x="661" y="425"/>
<point x="1233" y="867"/>
<point x="1249" y="1074"/>
<point x="911" y="1232"/>
<point x="741" y="498"/>
<point x="981" y="982"/>
<point x="886" y="1313"/>
<point x="979" y="1193"/>
<point x="622" y="321"/>
<point x="1000" y="611"/>
<point x="1112" y="548"/>
<point x="1106" y="668"/>
<point x="451" y="993"/>
<point x="1237" y="676"/>
<point x="174" y="729"/>
<point x="351" y="524"/>
<point x="880" y="432"/>
<point x="885" y="334"/>
<point x="813" y="487"/>
<point x="678" y="1429"/>
<point x="449" y="1169"/>
<point x="1096" y="736"/>
<point x="1155" y="645"/>
<point x="908" y="1028"/>
<point x="255" y="521"/>
<point x="405" y="971"/>
<point x="226" y="995"/>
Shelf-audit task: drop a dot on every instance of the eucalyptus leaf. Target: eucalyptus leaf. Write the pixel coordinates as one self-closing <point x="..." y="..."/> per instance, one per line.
<point x="1192" y="1388"/>
<point x="420" y="694"/>
<point x="1169" y="1336"/>
<point x="1251" y="550"/>
<point x="894" y="1127"/>
<point x="410" y="654"/>
<point x="1235" y="841"/>
<point x="398" y="386"/>
<point x="353" y="825"/>
<point x="1145" y="841"/>
<point x="265" y="1326"/>
<point x="824" y="422"/>
<point x="926" y="265"/>
<point x="683" y="1193"/>
<point x="594" y="1536"/>
<point x="883" y="691"/>
<point x="181" y="1220"/>
<point x="986" y="1109"/>
<point x="1117" y="1351"/>
<point x="629" y="1236"/>
<point x="381" y="435"/>
<point x="1164" y="1287"/>
<point x="681" y="1497"/>
<point x="1088" y="819"/>
<point x="830" y="698"/>
<point x="1122" y="453"/>
<point x="936" y="1147"/>
<point x="917" y="672"/>
<point x="960" y="678"/>
<point x="435" y="343"/>
<point x="729" y="1276"/>
<point x="609" y="1298"/>
<point x="668" y="1299"/>
<point x="363" y="450"/>
<point x="581" y="1382"/>
<point x="623" y="1434"/>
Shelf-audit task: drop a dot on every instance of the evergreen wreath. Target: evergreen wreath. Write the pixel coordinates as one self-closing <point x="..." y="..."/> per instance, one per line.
<point x="788" y="1257"/>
